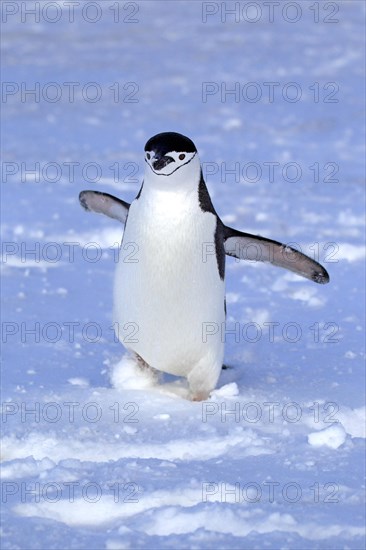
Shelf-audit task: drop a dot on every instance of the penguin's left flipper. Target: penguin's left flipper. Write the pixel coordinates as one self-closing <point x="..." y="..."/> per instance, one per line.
<point x="103" y="203"/>
<point x="256" y="248"/>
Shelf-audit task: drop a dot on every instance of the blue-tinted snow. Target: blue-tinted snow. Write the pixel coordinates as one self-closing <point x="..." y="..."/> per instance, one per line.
<point x="146" y="468"/>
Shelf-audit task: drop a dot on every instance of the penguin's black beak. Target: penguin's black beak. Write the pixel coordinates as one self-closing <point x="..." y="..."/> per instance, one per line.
<point x="160" y="163"/>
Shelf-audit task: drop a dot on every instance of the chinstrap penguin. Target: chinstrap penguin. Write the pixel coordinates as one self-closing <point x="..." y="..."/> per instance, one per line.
<point x="170" y="277"/>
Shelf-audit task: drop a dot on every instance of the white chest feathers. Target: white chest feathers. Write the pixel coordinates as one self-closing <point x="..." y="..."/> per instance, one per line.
<point x="167" y="286"/>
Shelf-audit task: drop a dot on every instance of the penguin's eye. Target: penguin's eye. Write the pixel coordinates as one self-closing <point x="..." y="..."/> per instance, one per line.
<point x="182" y="156"/>
<point x="148" y="156"/>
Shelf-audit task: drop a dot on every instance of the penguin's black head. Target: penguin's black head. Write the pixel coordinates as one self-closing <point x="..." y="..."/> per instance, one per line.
<point x="165" y="153"/>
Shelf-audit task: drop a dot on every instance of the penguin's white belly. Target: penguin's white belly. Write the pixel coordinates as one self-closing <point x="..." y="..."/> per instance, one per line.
<point x="169" y="298"/>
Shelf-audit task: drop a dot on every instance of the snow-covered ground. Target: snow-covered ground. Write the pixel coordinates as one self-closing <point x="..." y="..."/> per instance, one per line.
<point x="93" y="456"/>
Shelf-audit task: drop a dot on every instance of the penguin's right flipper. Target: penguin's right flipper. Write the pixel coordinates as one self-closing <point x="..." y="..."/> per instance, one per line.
<point x="103" y="203"/>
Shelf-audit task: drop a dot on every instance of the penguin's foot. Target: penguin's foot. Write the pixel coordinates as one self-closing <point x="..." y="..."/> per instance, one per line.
<point x="145" y="367"/>
<point x="141" y="363"/>
<point x="203" y="377"/>
<point x="130" y="373"/>
<point x="200" y="396"/>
